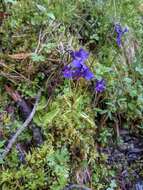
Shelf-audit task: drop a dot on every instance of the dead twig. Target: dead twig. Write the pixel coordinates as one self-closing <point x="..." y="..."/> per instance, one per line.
<point x="21" y="129"/>
<point x="14" y="94"/>
<point x="20" y="56"/>
<point x="39" y="42"/>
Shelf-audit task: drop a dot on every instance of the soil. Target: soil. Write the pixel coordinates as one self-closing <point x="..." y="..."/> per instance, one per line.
<point x="126" y="156"/>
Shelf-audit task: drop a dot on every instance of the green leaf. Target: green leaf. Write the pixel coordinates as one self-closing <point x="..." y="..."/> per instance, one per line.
<point x="48" y="117"/>
<point x="133" y="93"/>
<point x="51" y="15"/>
<point x="1" y="161"/>
<point x="41" y="8"/>
<point x="139" y="70"/>
<point x="128" y="80"/>
<point x="37" y="58"/>
<point x="48" y="47"/>
<point x="2" y="143"/>
<point x="43" y="120"/>
<point x="88" y="119"/>
<point x="42" y="104"/>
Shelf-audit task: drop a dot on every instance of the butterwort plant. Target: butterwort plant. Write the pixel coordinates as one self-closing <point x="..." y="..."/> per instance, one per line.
<point x="120" y="31"/>
<point x="77" y="68"/>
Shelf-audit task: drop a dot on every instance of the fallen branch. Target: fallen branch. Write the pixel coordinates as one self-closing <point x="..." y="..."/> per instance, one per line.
<point x="25" y="110"/>
<point x="21" y="129"/>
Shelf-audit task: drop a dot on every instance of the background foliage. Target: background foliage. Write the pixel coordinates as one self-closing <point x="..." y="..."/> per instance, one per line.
<point x="73" y="118"/>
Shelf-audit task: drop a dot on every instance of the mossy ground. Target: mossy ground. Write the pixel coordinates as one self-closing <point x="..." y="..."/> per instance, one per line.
<point x="79" y="126"/>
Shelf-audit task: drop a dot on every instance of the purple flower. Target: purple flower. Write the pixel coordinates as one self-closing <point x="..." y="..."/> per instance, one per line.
<point x="87" y="74"/>
<point x="84" y="72"/>
<point x="100" y="85"/>
<point x="80" y="55"/>
<point x="77" y="63"/>
<point x="77" y="68"/>
<point x="67" y="72"/>
<point x="120" y="32"/>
